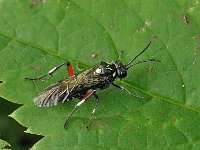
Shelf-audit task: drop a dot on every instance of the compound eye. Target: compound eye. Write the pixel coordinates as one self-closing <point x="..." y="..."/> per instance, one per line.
<point x="121" y="73"/>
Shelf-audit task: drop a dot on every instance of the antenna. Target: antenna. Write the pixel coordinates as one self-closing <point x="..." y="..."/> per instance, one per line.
<point x="139" y="54"/>
<point x="142" y="61"/>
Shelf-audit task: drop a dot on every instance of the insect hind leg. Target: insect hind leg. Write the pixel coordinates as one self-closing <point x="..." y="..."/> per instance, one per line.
<point x="50" y="72"/>
<point x="94" y="109"/>
<point x="86" y="96"/>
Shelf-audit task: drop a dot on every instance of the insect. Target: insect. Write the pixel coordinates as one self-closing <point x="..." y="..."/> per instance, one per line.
<point x="85" y="83"/>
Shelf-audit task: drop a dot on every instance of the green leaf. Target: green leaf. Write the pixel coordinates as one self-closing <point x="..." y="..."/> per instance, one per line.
<point x="3" y="144"/>
<point x="164" y="113"/>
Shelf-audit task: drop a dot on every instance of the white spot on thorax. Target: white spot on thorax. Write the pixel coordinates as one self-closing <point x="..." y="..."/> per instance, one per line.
<point x="98" y="70"/>
<point x="114" y="74"/>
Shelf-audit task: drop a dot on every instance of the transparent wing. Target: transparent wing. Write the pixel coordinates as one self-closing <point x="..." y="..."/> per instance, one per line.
<point x="58" y="92"/>
<point x="49" y="96"/>
<point x="67" y="89"/>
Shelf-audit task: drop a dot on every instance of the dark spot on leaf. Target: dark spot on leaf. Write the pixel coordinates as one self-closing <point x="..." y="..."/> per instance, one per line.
<point x="185" y="18"/>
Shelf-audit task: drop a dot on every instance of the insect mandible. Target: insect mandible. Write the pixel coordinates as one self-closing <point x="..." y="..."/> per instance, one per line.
<point x="85" y="83"/>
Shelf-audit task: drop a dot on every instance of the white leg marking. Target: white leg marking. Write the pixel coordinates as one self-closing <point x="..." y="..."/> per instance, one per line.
<point x="52" y="70"/>
<point x="93" y="110"/>
<point x="80" y="103"/>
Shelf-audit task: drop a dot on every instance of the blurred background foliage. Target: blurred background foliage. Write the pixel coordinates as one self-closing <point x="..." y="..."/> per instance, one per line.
<point x="13" y="132"/>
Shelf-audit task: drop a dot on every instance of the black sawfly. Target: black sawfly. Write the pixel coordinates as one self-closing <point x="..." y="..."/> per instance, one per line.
<point x="85" y="83"/>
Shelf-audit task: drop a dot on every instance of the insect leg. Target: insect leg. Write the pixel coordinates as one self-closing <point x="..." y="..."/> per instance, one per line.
<point x="70" y="70"/>
<point x="77" y="66"/>
<point x="94" y="109"/>
<point x="50" y="72"/>
<point x="86" y="96"/>
<point x="122" y="88"/>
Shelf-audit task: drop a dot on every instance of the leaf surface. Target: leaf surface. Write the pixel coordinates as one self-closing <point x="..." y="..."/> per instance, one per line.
<point x="36" y="36"/>
<point x="3" y="144"/>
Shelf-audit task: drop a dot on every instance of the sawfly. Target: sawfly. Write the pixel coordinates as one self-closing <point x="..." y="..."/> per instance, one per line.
<point x="84" y="84"/>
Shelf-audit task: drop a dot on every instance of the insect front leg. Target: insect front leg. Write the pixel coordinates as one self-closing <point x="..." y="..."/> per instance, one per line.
<point x="94" y="109"/>
<point x="122" y="88"/>
<point x="50" y="72"/>
<point x="86" y="96"/>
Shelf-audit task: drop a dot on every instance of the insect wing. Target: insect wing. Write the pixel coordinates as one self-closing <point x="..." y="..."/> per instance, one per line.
<point x="48" y="97"/>
<point x="58" y="92"/>
<point x="69" y="88"/>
